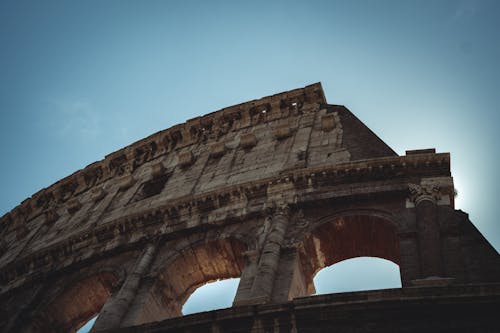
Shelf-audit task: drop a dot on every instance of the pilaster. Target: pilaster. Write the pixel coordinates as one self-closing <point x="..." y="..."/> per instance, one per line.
<point x="425" y="198"/>
<point x="268" y="265"/>
<point x="117" y="306"/>
<point x="290" y="281"/>
<point x="247" y="277"/>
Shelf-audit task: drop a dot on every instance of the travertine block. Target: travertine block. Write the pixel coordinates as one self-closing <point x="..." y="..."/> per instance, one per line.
<point x="21" y="230"/>
<point x="217" y="149"/>
<point x="186" y="159"/>
<point x="126" y="182"/>
<point x="282" y="132"/>
<point x="327" y="122"/>
<point x="157" y="170"/>
<point x="248" y="140"/>
<point x="97" y="194"/>
<point x="51" y="216"/>
<point x="73" y="206"/>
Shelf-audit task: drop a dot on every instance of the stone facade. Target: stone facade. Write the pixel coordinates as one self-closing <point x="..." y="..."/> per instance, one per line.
<point x="271" y="191"/>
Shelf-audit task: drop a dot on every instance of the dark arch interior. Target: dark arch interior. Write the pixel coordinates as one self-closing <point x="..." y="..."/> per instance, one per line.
<point x="347" y="237"/>
<point x="77" y="304"/>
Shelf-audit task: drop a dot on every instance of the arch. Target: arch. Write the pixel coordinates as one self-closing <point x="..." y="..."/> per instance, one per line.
<point x="388" y="216"/>
<point x="346" y="235"/>
<point x="211" y="296"/>
<point x="357" y="274"/>
<point x="195" y="265"/>
<point x="78" y="303"/>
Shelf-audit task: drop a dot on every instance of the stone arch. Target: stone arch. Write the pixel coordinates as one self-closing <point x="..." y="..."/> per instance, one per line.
<point x="380" y="213"/>
<point x="192" y="266"/>
<point x="81" y="300"/>
<point x="345" y="235"/>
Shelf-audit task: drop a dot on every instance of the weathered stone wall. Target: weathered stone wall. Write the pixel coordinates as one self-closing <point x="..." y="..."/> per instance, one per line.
<point x="270" y="191"/>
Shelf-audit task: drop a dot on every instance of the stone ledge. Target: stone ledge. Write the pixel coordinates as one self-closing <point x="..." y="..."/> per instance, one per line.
<point x="383" y="310"/>
<point x="433" y="281"/>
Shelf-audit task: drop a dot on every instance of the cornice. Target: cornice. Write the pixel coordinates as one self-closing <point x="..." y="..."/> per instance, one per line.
<point x="171" y="216"/>
<point x="207" y="128"/>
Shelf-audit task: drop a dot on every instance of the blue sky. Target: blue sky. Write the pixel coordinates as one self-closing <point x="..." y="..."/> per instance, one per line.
<point x="79" y="80"/>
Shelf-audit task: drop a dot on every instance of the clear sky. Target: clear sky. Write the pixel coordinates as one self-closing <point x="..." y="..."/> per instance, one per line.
<point x="79" y="80"/>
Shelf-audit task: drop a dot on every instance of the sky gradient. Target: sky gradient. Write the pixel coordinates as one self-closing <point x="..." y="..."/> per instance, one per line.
<point x="79" y="80"/>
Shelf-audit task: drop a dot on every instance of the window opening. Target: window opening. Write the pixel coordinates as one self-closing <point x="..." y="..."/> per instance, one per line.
<point x="356" y="274"/>
<point x="151" y="187"/>
<point x="211" y="296"/>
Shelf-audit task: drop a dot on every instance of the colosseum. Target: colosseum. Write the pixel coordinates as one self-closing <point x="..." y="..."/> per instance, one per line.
<point x="269" y="191"/>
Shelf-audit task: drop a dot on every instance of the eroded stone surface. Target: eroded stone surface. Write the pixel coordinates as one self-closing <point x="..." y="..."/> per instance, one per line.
<point x="271" y="191"/>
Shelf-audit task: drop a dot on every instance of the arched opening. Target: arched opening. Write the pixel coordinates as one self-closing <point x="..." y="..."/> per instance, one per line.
<point x="87" y="326"/>
<point x="346" y="237"/>
<point x="356" y="274"/>
<point x="211" y="296"/>
<point x="193" y="267"/>
<point x="77" y="305"/>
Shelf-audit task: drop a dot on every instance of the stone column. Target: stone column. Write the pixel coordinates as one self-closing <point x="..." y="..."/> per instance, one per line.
<point x="115" y="309"/>
<point x="409" y="261"/>
<point x="262" y="287"/>
<point x="290" y="281"/>
<point x="425" y="199"/>
<point x="247" y="277"/>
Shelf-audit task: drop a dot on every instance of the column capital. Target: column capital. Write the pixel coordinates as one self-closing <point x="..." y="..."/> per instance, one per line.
<point x="429" y="192"/>
<point x="281" y="210"/>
